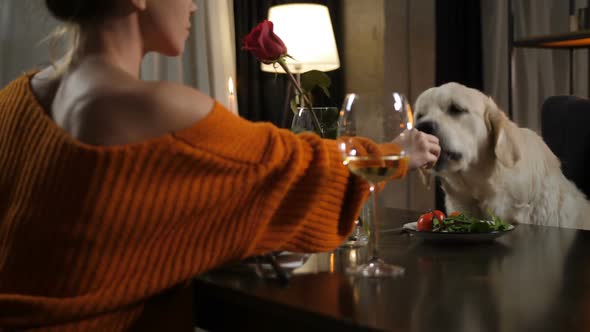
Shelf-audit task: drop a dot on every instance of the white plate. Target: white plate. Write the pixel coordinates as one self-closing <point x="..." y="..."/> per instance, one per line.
<point x="465" y="237"/>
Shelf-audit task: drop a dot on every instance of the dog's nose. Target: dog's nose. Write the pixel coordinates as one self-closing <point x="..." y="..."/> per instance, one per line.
<point x="428" y="127"/>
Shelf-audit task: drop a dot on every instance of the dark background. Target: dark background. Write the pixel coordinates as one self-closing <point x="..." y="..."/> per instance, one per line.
<point x="458" y="51"/>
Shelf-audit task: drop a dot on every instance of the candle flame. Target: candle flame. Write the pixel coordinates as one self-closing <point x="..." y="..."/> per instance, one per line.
<point x="332" y="265"/>
<point x="230" y="86"/>
<point x="410" y="117"/>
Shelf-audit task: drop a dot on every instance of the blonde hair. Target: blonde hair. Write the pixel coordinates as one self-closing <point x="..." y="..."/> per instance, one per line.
<point x="63" y="42"/>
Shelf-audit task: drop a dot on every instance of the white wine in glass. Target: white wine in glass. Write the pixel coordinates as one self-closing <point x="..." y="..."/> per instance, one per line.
<point x="376" y="169"/>
<point x="384" y="121"/>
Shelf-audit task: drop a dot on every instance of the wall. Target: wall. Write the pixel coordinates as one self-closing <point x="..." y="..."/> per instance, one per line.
<point x="389" y="46"/>
<point x="23" y="26"/>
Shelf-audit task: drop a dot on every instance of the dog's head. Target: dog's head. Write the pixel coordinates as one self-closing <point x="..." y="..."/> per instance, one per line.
<point x="469" y="126"/>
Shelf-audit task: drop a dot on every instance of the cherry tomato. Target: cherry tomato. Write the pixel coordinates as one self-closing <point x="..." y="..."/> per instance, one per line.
<point x="454" y="214"/>
<point x="424" y="223"/>
<point x="438" y="214"/>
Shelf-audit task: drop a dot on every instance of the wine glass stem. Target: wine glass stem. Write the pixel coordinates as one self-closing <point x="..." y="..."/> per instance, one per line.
<point x="373" y="226"/>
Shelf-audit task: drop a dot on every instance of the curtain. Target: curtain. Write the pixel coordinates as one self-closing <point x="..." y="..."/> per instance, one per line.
<point x="458" y="43"/>
<point x="262" y="96"/>
<point x="458" y="50"/>
<point x="23" y="25"/>
<point x="538" y="73"/>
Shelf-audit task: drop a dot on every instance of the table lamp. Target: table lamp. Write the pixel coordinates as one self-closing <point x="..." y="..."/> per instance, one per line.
<point x="306" y="30"/>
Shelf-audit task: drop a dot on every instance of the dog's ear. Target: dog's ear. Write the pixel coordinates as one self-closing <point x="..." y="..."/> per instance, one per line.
<point x="502" y="132"/>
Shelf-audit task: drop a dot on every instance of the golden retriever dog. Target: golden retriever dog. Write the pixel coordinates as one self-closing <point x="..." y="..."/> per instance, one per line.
<point x="487" y="163"/>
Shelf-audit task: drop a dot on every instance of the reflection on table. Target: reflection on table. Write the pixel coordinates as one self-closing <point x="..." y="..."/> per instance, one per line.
<point x="535" y="278"/>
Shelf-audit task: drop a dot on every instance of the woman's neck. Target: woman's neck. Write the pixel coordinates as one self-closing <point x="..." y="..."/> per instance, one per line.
<point x="117" y="42"/>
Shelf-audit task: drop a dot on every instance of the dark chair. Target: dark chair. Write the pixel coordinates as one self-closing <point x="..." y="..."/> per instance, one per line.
<point x="565" y="127"/>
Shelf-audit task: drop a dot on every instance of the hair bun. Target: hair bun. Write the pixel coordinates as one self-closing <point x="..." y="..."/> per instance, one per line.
<point x="78" y="11"/>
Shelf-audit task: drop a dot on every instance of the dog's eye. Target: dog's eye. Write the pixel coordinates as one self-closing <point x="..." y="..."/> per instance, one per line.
<point x="455" y="110"/>
<point x="419" y="116"/>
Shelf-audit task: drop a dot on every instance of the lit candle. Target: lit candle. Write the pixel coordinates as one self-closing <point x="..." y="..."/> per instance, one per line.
<point x="231" y="103"/>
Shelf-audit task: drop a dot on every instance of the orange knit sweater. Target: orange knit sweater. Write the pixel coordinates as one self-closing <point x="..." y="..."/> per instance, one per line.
<point x="91" y="236"/>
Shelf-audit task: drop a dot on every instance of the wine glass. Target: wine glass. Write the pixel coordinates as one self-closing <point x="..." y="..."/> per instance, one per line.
<point x="385" y="121"/>
<point x="328" y="120"/>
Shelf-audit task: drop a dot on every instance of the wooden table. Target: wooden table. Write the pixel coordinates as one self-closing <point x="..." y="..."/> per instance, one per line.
<point x="532" y="279"/>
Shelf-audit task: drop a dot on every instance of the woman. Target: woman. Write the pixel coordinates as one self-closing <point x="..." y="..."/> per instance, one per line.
<point x="114" y="191"/>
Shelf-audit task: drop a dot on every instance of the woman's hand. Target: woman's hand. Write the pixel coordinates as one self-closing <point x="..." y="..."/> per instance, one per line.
<point x="422" y="149"/>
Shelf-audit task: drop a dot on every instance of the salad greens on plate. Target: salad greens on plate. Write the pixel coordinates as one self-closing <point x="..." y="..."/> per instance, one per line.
<point x="462" y="223"/>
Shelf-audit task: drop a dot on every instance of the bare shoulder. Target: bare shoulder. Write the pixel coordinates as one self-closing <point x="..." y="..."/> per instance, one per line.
<point x="136" y="111"/>
<point x="179" y="106"/>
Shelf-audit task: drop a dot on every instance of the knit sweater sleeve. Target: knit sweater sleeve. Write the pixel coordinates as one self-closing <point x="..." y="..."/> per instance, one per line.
<point x="292" y="191"/>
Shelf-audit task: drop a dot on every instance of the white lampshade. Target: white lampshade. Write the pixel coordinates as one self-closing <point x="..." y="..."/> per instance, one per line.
<point x="306" y="30"/>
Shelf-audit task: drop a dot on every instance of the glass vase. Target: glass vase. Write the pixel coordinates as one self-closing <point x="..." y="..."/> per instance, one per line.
<point x="327" y="118"/>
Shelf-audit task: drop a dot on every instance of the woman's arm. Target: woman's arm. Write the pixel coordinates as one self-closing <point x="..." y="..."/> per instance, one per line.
<point x="303" y="198"/>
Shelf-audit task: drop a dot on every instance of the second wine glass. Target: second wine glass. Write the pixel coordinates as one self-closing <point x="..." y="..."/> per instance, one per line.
<point x="385" y="121"/>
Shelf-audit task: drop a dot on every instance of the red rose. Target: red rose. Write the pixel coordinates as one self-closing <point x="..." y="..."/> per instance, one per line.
<point x="264" y="44"/>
